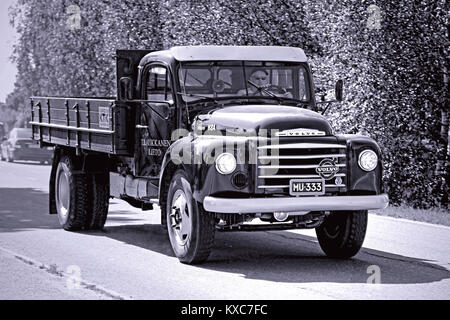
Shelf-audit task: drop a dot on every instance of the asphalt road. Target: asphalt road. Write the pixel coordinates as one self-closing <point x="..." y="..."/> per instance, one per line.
<point x="132" y="258"/>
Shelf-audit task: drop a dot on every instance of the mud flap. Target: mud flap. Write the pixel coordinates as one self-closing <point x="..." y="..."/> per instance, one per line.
<point x="52" y="201"/>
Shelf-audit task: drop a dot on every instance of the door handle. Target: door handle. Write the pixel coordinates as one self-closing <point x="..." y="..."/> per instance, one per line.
<point x="138" y="126"/>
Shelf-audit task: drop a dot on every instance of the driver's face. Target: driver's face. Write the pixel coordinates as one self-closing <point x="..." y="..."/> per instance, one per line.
<point x="260" y="78"/>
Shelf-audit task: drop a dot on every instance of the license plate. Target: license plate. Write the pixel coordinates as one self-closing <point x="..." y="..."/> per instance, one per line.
<point x="306" y="187"/>
<point x="33" y="146"/>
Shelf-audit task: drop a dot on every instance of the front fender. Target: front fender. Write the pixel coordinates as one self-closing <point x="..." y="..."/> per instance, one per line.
<point x="208" y="181"/>
<point x="360" y="181"/>
<point x="170" y="162"/>
<point x="196" y="156"/>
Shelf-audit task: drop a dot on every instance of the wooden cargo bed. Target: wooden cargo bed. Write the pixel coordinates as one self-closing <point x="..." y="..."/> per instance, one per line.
<point x="96" y="124"/>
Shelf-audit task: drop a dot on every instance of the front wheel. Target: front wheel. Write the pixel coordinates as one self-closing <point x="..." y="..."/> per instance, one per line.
<point x="342" y="234"/>
<point x="191" y="229"/>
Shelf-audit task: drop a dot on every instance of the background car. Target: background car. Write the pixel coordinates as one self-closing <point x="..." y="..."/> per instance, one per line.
<point x="2" y="131"/>
<point x="20" y="146"/>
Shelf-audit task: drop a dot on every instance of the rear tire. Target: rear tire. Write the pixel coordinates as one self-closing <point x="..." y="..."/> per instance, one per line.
<point x="99" y="201"/>
<point x="342" y="234"/>
<point x="71" y="196"/>
<point x="191" y="229"/>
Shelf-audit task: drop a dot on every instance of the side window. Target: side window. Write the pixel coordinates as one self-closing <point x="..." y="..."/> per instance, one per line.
<point x="159" y="84"/>
<point x="226" y="76"/>
<point x="303" y="91"/>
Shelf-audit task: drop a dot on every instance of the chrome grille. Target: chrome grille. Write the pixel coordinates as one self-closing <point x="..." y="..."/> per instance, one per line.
<point x="278" y="164"/>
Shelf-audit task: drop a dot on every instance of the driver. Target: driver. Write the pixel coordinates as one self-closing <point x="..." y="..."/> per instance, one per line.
<point x="259" y="84"/>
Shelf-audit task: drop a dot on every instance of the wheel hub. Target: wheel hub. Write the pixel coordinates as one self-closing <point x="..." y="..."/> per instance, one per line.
<point x="180" y="218"/>
<point x="332" y="227"/>
<point x="62" y="195"/>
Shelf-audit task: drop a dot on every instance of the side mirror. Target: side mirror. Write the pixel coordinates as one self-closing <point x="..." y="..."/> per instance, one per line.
<point x="338" y="90"/>
<point x="125" y="88"/>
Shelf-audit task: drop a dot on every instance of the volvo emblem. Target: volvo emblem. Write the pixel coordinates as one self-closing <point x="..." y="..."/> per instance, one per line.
<point x="300" y="132"/>
<point x="327" y="168"/>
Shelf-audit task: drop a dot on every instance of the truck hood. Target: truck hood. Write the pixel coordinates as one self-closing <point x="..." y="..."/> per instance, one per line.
<point x="256" y="117"/>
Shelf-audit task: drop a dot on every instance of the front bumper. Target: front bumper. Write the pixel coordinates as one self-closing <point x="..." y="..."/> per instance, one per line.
<point x="294" y="204"/>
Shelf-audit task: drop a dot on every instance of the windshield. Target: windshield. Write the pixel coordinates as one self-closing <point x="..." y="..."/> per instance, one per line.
<point x="199" y="80"/>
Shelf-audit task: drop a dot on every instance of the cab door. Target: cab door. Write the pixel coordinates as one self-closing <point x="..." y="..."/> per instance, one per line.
<point x="156" y="120"/>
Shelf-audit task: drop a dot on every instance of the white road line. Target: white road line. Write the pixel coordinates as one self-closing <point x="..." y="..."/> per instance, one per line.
<point x="368" y="251"/>
<point x="410" y="221"/>
<point x="55" y="271"/>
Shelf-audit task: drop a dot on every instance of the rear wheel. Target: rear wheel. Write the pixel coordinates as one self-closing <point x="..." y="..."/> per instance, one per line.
<point x="99" y="201"/>
<point x="342" y="234"/>
<point x="71" y="196"/>
<point x="191" y="229"/>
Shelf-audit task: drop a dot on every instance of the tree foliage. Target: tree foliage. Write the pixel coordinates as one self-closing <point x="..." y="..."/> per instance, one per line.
<point x="392" y="55"/>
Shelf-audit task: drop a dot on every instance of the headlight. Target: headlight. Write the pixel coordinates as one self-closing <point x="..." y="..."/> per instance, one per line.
<point x="225" y="163"/>
<point x="368" y="160"/>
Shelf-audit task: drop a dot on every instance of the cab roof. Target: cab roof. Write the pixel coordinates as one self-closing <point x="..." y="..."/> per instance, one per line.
<point x="229" y="53"/>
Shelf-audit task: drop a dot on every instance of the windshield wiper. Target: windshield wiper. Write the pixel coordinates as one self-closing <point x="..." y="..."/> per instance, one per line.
<point x="279" y="99"/>
<point x="198" y="96"/>
<point x="194" y="95"/>
<point x="298" y="101"/>
<point x="262" y="89"/>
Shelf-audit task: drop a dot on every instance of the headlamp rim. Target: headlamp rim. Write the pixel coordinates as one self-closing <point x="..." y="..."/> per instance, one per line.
<point x="361" y="154"/>
<point x="218" y="166"/>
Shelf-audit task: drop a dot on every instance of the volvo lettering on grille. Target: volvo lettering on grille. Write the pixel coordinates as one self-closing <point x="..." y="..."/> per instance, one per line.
<point x="327" y="168"/>
<point x="300" y="132"/>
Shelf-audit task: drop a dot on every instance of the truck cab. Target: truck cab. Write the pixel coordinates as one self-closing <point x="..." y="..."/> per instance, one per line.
<point x="222" y="138"/>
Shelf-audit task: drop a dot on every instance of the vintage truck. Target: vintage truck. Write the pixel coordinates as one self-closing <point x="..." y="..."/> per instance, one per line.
<point x="222" y="138"/>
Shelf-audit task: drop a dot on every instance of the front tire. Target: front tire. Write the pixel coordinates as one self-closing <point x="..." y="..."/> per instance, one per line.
<point x="71" y="196"/>
<point x="342" y="234"/>
<point x="191" y="229"/>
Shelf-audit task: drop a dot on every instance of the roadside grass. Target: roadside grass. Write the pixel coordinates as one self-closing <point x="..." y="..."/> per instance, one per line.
<point x="434" y="215"/>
